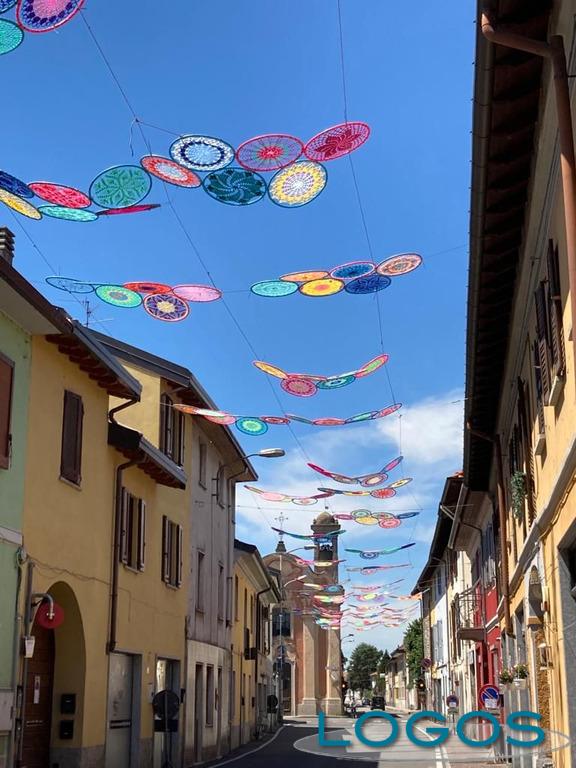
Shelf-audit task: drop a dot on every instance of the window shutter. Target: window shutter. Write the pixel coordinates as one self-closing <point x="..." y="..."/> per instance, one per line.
<point x="6" y="384"/>
<point x="539" y="392"/>
<point x="528" y="455"/>
<point x="543" y="338"/>
<point x="71" y="456"/>
<point x="141" y="556"/>
<point x="180" y="540"/>
<point x="165" y="549"/>
<point x="124" y="543"/>
<point x="555" y="311"/>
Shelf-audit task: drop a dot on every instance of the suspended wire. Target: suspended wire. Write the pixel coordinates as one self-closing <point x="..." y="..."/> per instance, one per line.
<point x="181" y="224"/>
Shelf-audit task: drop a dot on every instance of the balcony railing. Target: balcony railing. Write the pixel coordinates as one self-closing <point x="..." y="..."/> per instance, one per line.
<point x="470" y="624"/>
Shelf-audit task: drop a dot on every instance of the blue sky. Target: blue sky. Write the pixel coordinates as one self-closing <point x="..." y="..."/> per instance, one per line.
<point x="236" y="70"/>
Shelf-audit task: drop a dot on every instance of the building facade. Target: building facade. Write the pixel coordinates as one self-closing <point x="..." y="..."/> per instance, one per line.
<point x="213" y="462"/>
<point x="310" y="659"/>
<point x="254" y="689"/>
<point x="520" y="443"/>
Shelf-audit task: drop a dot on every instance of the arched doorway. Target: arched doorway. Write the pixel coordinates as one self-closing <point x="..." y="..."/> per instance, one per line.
<point x="39" y="691"/>
<point x="54" y="682"/>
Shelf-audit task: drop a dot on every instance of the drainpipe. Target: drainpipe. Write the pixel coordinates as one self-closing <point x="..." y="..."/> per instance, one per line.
<point x="503" y="524"/>
<point x="112" y="413"/>
<point x="27" y="627"/>
<point x="257" y="612"/>
<point x="111" y="645"/>
<point x="554" y="52"/>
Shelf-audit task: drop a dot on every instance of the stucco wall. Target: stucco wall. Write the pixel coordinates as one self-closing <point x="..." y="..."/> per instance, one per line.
<point x="16" y="346"/>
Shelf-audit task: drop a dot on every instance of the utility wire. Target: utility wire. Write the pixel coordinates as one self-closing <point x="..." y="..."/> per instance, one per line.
<point x="179" y="220"/>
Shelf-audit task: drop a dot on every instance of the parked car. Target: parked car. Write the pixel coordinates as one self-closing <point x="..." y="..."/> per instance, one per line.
<point x="378" y="702"/>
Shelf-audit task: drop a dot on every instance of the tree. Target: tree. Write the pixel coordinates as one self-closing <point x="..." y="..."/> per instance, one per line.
<point x="363" y="661"/>
<point x="384" y="661"/>
<point x="414" y="650"/>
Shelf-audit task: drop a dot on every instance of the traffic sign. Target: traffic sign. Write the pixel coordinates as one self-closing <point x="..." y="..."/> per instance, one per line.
<point x="489" y="696"/>
<point x="452" y="701"/>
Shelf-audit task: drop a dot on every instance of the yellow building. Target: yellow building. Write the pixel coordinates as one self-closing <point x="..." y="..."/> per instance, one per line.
<point x="521" y="385"/>
<point x="213" y="462"/>
<point x="256" y="590"/>
<point x="93" y="547"/>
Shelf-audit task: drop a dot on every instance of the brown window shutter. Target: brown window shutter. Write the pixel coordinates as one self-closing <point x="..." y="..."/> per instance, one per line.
<point x="539" y="392"/>
<point x="180" y="540"/>
<point x="555" y="312"/>
<point x="124" y="543"/>
<point x="141" y="535"/>
<point x="72" y="421"/>
<point x="6" y="385"/>
<point x="165" y="549"/>
<point x="543" y="338"/>
<point x="523" y="419"/>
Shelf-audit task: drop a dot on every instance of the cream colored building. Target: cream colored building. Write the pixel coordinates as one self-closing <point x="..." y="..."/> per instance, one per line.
<point x="520" y="447"/>
<point x="254" y="682"/>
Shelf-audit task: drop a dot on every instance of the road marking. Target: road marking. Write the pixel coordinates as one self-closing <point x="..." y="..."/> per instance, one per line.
<point x="252" y="751"/>
<point x="441" y="756"/>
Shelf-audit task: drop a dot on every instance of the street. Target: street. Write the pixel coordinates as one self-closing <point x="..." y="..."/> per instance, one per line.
<point x="298" y="743"/>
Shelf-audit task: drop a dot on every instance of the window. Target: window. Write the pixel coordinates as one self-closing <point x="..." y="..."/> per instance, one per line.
<point x="6" y="380"/>
<point x="549" y="346"/>
<point x="132" y="531"/>
<point x="71" y="456"/>
<point x="281" y="623"/>
<point x="202" y="451"/>
<point x="200" y="578"/>
<point x="221" y="486"/>
<point x="220" y="591"/>
<point x="209" y="695"/>
<point x="235" y="598"/>
<point x="171" y="430"/>
<point x="172" y="541"/>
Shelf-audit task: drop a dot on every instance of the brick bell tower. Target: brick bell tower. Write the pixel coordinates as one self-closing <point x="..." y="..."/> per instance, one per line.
<point x="328" y="653"/>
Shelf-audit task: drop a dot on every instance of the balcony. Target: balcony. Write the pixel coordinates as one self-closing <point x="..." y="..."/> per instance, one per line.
<point x="470" y="624"/>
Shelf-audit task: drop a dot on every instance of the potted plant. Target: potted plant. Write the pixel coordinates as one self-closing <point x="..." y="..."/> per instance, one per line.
<point x="520" y="672"/>
<point x="518" y="483"/>
<point x="505" y="677"/>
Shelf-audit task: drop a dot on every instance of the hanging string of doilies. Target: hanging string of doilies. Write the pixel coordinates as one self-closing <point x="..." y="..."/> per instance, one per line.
<point x="317" y="537"/>
<point x="303" y="501"/>
<point x="159" y="300"/>
<point x="307" y="384"/>
<point x="122" y="188"/>
<point x="33" y="16"/>
<point x="357" y="277"/>
<point x="379" y="493"/>
<point x="372" y="479"/>
<point x="258" y="425"/>
<point x="368" y="570"/>
<point x="372" y="554"/>
<point x="369" y="517"/>
<point x="318" y="563"/>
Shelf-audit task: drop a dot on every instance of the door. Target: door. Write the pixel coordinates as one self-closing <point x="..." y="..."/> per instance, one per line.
<point x="166" y="744"/>
<point x="198" y="713"/>
<point x="120" y="711"/>
<point x="219" y="712"/>
<point x="38" y="715"/>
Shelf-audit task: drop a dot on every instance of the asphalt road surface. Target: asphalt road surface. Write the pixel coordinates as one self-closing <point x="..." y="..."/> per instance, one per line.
<point x="297" y="746"/>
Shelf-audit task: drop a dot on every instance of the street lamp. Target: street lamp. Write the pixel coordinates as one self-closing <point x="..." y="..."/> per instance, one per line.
<point x="265" y="453"/>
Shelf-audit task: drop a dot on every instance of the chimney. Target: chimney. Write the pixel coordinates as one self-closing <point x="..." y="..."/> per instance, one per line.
<point x="6" y="245"/>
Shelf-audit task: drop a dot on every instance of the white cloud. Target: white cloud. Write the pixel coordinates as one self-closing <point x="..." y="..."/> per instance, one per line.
<point x="432" y="431"/>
